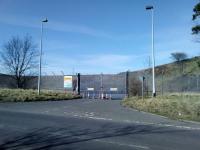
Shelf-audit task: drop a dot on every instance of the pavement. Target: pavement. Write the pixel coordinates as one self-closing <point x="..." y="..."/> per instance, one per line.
<point x="91" y="124"/>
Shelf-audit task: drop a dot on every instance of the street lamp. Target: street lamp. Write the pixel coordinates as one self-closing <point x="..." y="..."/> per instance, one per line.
<point x="40" y="55"/>
<point x="153" y="57"/>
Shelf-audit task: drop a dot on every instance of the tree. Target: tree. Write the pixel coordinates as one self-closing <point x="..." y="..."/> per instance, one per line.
<point x="19" y="58"/>
<point x="196" y="10"/>
<point x="179" y="57"/>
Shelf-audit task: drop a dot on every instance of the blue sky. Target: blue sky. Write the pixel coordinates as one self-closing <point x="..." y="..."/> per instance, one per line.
<point x="94" y="36"/>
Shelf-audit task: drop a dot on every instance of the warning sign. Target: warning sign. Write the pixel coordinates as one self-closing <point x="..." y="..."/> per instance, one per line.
<point x="67" y="81"/>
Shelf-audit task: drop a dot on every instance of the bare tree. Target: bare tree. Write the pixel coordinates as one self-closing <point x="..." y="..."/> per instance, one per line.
<point x="19" y="58"/>
<point x="179" y="58"/>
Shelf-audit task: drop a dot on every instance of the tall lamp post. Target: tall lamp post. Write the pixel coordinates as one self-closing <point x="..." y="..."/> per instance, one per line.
<point x="40" y="55"/>
<point x="153" y="56"/>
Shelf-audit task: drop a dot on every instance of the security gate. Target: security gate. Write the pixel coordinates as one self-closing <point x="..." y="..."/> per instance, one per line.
<point x="103" y="86"/>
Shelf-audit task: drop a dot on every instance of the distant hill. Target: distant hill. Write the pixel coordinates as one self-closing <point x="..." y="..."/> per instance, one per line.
<point x="183" y="76"/>
<point x="189" y="66"/>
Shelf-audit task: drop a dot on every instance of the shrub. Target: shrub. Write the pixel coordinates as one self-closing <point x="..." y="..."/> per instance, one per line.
<point x="175" y="106"/>
<point x="19" y="95"/>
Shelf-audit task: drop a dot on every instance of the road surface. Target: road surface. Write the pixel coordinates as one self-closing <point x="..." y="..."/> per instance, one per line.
<point x="91" y="124"/>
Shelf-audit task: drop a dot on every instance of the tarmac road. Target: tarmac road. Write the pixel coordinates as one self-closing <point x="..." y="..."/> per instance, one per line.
<point x="91" y="124"/>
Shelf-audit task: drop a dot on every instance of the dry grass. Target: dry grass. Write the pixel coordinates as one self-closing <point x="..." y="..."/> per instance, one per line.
<point x="20" y="95"/>
<point x="176" y="106"/>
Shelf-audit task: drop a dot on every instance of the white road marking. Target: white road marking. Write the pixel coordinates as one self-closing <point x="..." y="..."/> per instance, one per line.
<point x="101" y="140"/>
<point x="99" y="118"/>
<point x="139" y="122"/>
<point x="121" y="144"/>
<point x="92" y="115"/>
<point x="86" y="102"/>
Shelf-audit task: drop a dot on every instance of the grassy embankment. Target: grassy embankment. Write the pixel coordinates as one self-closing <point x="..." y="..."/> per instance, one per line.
<point x="19" y="95"/>
<point x="174" y="106"/>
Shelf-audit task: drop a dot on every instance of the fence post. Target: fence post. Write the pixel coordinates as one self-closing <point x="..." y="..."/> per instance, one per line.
<point x="197" y="83"/>
<point x="78" y="83"/>
<point x="143" y="78"/>
<point x="102" y="94"/>
<point x="162" y="82"/>
<point x="127" y="83"/>
<point x="188" y="84"/>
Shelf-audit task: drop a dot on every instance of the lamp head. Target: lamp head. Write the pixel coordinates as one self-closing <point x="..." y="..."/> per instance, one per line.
<point x="45" y="20"/>
<point x="149" y="7"/>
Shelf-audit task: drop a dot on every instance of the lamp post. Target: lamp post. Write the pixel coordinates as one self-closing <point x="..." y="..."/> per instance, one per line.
<point x="40" y="55"/>
<point x="153" y="56"/>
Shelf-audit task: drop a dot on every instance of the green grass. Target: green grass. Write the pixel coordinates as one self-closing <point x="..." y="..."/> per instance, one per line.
<point x="175" y="106"/>
<point x="20" y="95"/>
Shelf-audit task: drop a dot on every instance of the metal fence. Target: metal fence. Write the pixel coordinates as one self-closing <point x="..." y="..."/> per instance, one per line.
<point x="171" y="84"/>
<point x="103" y="86"/>
<point x="112" y="86"/>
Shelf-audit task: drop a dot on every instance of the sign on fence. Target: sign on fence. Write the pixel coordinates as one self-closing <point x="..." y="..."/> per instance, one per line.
<point x="90" y="89"/>
<point x="113" y="89"/>
<point x="67" y="81"/>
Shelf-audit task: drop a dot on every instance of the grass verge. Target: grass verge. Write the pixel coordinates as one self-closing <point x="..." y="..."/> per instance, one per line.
<point x="20" y="95"/>
<point x="174" y="106"/>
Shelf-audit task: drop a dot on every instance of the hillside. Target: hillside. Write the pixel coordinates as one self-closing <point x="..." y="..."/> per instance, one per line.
<point x="181" y="76"/>
<point x="185" y="67"/>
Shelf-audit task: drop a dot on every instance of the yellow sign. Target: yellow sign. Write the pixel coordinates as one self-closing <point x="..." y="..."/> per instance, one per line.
<point x="67" y="81"/>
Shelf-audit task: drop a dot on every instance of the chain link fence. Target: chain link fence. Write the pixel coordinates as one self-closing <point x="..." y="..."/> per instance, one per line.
<point x="103" y="86"/>
<point x="114" y="86"/>
<point x="166" y="84"/>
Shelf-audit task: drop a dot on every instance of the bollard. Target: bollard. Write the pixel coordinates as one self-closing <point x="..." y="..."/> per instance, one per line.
<point x="102" y="96"/>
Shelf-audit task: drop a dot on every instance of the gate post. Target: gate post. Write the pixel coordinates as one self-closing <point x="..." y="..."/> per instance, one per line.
<point x="127" y="83"/>
<point x="102" y="94"/>
<point x="78" y="84"/>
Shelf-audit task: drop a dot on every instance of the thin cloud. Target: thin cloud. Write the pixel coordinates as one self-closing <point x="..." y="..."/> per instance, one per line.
<point x="53" y="25"/>
<point x="66" y="27"/>
<point x="24" y="21"/>
<point x="110" y="63"/>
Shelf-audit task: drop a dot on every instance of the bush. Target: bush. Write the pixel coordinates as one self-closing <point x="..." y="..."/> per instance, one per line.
<point x="135" y="86"/>
<point x="175" y="106"/>
<point x="19" y="95"/>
